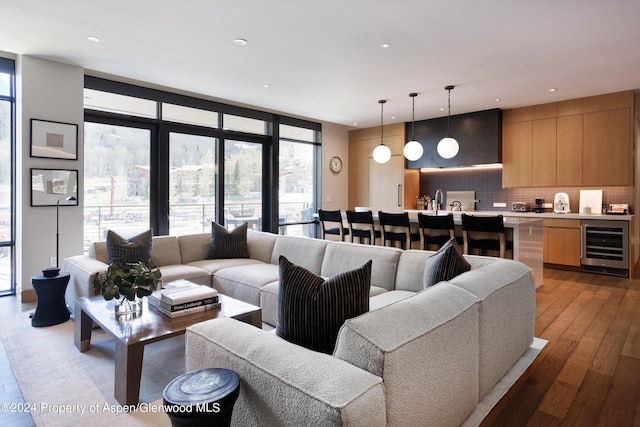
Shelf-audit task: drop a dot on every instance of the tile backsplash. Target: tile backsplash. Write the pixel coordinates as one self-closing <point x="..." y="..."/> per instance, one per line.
<point x="487" y="183"/>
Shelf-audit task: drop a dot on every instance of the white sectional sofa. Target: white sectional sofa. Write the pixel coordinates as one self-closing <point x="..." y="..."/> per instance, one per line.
<point x="419" y="357"/>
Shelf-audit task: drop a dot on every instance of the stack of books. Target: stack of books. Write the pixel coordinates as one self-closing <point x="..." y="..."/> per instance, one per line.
<point x="182" y="297"/>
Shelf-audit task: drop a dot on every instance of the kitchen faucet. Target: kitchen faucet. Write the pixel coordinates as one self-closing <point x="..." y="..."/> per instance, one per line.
<point x="438" y="191"/>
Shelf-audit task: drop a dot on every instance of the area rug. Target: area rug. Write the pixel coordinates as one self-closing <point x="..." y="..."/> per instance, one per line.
<point x="66" y="387"/>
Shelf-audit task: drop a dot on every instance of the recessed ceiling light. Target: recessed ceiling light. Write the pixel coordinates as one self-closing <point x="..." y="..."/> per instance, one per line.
<point x="385" y="45"/>
<point x="266" y="85"/>
<point x="240" y="42"/>
<point x="93" y="39"/>
<point x="498" y="99"/>
<point x="355" y="123"/>
<point x="553" y="89"/>
<point x="441" y="108"/>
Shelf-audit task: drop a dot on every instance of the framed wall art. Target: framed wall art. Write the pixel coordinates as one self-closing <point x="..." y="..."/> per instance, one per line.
<point x="54" y="140"/>
<point x="52" y="186"/>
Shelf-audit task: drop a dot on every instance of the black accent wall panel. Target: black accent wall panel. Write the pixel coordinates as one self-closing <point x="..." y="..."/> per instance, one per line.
<point x="479" y="135"/>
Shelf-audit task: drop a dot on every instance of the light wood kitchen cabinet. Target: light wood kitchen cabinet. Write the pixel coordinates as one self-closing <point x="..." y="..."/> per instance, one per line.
<point x="607" y="148"/>
<point x="376" y="185"/>
<point x="569" y="150"/>
<point x="517" y="143"/>
<point x="544" y="152"/>
<point x="581" y="142"/>
<point x="561" y="242"/>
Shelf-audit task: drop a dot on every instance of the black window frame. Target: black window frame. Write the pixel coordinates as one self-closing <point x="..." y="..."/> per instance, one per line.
<point x="8" y="66"/>
<point x="159" y="192"/>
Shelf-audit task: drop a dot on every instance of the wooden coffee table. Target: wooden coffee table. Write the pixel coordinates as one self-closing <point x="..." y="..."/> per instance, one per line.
<point x="150" y="326"/>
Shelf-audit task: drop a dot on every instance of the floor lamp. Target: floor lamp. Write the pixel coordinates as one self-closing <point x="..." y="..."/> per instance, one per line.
<point x="69" y="199"/>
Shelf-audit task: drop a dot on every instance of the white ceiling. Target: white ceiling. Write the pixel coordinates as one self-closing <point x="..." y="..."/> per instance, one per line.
<point x="323" y="58"/>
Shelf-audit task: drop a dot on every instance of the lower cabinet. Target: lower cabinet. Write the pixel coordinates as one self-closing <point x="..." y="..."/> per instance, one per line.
<point x="562" y="242"/>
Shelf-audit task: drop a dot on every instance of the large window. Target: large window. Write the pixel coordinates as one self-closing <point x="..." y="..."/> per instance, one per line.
<point x="192" y="183"/>
<point x="186" y="162"/>
<point x="116" y="180"/>
<point x="7" y="159"/>
<point x="298" y="153"/>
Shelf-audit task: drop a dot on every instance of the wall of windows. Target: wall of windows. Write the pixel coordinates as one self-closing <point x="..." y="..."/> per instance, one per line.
<point x="176" y="163"/>
<point x="7" y="178"/>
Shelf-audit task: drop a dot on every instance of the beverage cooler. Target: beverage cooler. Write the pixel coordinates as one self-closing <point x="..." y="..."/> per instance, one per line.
<point x="605" y="247"/>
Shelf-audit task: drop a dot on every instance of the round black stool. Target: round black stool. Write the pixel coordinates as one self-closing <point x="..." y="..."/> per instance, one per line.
<point x="51" y="308"/>
<point x="203" y="397"/>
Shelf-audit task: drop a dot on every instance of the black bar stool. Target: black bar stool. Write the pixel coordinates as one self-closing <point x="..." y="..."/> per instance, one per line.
<point x="397" y="228"/>
<point x="484" y="233"/>
<point x="436" y="230"/>
<point x="331" y="223"/>
<point x="361" y="225"/>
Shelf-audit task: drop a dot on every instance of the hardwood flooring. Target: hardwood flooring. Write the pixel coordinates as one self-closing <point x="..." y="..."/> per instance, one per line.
<point x="589" y="372"/>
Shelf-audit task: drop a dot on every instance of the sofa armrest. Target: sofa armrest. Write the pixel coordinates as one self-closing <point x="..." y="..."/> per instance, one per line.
<point x="81" y="269"/>
<point x="274" y="372"/>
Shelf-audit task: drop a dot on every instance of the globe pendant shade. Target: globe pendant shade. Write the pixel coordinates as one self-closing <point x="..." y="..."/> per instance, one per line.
<point x="413" y="150"/>
<point x="381" y="154"/>
<point x="448" y="148"/>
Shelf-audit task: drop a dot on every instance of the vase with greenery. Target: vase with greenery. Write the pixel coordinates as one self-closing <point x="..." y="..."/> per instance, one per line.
<point x="127" y="284"/>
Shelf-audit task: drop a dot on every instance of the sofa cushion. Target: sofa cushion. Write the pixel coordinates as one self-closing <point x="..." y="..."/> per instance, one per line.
<point x="228" y="244"/>
<point x="445" y="264"/>
<point x="244" y="282"/>
<point x="165" y="251"/>
<point x="133" y="249"/>
<point x="303" y="251"/>
<point x="311" y="310"/>
<point x="428" y="341"/>
<point x="174" y="272"/>
<point x="343" y="256"/>
<point x="410" y="275"/>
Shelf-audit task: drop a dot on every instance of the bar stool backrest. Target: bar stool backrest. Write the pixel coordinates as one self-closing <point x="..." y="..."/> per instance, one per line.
<point x="361" y="225"/>
<point x="334" y="217"/>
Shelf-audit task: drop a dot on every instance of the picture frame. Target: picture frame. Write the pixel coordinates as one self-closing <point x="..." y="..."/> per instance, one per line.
<point x="54" y="140"/>
<point x="53" y="187"/>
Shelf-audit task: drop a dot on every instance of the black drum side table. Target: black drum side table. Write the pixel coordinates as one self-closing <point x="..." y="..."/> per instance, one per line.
<point x="202" y="398"/>
<point x="51" y="308"/>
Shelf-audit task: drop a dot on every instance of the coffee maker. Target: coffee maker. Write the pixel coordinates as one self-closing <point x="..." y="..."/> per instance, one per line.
<point x="539" y="208"/>
<point x="561" y="203"/>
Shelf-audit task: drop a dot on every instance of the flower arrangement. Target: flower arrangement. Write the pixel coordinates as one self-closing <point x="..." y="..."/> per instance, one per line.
<point x="129" y="281"/>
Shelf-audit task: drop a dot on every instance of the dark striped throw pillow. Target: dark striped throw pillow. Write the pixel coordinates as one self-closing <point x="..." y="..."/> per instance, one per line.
<point x="311" y="310"/>
<point x="445" y="264"/>
<point x="225" y="244"/>
<point x="134" y="249"/>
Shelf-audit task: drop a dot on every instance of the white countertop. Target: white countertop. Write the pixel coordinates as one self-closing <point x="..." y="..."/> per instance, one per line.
<point x="508" y="214"/>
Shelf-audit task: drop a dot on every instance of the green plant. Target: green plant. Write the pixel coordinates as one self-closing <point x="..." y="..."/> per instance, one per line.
<point x="134" y="279"/>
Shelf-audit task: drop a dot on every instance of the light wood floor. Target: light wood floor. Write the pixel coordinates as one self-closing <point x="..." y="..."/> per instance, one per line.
<point x="589" y="372"/>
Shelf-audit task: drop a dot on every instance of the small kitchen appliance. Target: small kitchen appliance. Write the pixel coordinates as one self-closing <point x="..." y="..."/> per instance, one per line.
<point x="539" y="208"/>
<point x="519" y="207"/>
<point x="561" y="203"/>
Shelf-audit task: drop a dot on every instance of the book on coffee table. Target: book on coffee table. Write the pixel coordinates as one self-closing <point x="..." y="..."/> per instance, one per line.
<point x="181" y="291"/>
<point x="191" y="310"/>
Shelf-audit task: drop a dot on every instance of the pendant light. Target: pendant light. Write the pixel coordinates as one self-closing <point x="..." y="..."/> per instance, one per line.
<point x="448" y="147"/>
<point x="382" y="153"/>
<point x="413" y="149"/>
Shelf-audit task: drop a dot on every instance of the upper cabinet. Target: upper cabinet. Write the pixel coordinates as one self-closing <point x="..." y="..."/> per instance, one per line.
<point x="388" y="186"/>
<point x="585" y="141"/>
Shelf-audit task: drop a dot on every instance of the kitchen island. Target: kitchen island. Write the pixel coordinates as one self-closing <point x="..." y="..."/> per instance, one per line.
<point x="525" y="231"/>
<point x="562" y="241"/>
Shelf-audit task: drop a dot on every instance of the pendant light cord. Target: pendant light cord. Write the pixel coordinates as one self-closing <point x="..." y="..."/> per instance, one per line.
<point x="413" y="116"/>
<point x="382" y="101"/>
<point x="449" y="117"/>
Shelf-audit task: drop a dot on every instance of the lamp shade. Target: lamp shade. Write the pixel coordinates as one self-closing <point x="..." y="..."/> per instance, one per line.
<point x="448" y="148"/>
<point x="413" y="150"/>
<point x="381" y="154"/>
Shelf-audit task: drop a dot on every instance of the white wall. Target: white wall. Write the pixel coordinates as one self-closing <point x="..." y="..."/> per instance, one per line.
<point x="50" y="91"/>
<point x="335" y="187"/>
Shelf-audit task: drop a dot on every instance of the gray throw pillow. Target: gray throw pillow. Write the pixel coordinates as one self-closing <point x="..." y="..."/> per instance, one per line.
<point x="225" y="244"/>
<point x="445" y="264"/>
<point x="134" y="249"/>
<point x="311" y="310"/>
